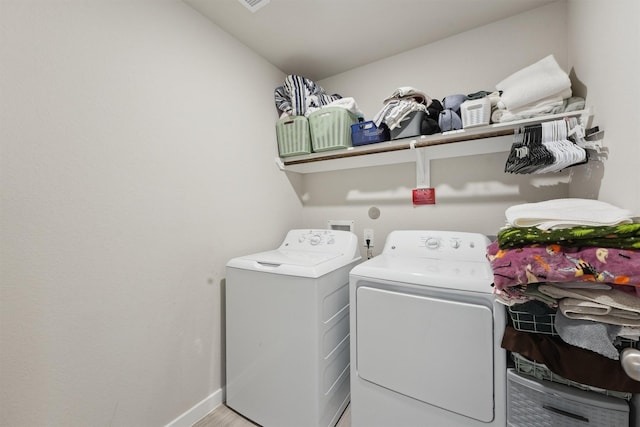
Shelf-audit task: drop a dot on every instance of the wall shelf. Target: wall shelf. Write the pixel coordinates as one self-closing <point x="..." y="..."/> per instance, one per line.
<point x="456" y="143"/>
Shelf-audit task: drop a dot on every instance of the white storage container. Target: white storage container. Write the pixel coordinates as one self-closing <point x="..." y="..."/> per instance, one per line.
<point x="475" y="112"/>
<point x="532" y="402"/>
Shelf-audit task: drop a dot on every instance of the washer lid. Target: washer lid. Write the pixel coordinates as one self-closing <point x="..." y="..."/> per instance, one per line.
<point x="291" y="263"/>
<point x="304" y="253"/>
<point x="292" y="258"/>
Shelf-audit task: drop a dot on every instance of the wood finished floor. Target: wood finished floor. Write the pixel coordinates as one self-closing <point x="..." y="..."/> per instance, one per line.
<point x="222" y="416"/>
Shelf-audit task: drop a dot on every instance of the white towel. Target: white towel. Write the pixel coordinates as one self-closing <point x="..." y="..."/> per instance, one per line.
<point x="542" y="109"/>
<point x="564" y="213"/>
<point x="557" y="99"/>
<point x="348" y="103"/>
<point x="535" y="82"/>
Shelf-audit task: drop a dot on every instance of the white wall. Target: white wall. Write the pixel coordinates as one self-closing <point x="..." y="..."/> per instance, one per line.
<point x="137" y="146"/>
<point x="133" y="167"/>
<point x="605" y="58"/>
<point x="471" y="192"/>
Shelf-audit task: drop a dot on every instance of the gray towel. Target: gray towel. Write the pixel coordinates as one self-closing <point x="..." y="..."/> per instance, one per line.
<point x="595" y="336"/>
<point x="606" y="299"/>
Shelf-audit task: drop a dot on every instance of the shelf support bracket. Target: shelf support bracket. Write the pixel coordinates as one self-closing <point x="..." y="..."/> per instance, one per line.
<point x="424" y="155"/>
<point x="423" y="169"/>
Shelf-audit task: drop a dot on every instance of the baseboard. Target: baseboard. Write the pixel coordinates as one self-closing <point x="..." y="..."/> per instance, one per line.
<point x="198" y="411"/>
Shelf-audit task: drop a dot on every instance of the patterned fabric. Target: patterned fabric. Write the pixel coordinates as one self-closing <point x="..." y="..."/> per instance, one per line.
<point x="623" y="236"/>
<point x="554" y="263"/>
<point x="298" y="95"/>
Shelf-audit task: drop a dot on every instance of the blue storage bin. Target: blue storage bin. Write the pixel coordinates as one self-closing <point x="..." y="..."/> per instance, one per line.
<point x="368" y="133"/>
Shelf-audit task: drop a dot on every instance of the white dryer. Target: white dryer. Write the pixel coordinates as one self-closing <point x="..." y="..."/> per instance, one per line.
<point x="426" y="333"/>
<point x="287" y="330"/>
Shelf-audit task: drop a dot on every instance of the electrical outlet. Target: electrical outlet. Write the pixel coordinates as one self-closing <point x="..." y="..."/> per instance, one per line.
<point x="368" y="234"/>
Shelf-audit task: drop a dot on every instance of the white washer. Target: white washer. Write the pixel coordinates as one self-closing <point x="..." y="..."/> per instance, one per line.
<point x="426" y="333"/>
<point x="287" y="330"/>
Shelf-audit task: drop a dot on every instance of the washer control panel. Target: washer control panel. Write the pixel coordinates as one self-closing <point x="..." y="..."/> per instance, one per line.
<point x="321" y="240"/>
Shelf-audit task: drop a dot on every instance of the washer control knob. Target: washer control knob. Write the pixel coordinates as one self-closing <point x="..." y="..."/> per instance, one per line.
<point x="455" y="243"/>
<point x="432" y="243"/>
<point x="301" y="238"/>
<point x="315" y="240"/>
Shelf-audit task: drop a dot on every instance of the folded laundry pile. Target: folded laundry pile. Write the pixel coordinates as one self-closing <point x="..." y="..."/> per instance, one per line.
<point x="566" y="213"/>
<point x="408" y="106"/>
<point x="539" y="89"/>
<point x="571" y="269"/>
<point x="300" y="96"/>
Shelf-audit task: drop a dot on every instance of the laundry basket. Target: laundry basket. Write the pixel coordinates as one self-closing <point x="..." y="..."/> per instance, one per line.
<point x="529" y="322"/>
<point x="331" y="128"/>
<point x="476" y="112"/>
<point x="293" y="136"/>
<point x="542" y="372"/>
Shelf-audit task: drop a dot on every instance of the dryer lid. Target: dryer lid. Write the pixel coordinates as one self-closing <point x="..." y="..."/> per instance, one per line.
<point x="440" y="273"/>
<point x="443" y="259"/>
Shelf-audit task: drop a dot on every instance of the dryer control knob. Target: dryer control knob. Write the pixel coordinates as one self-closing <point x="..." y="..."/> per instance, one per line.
<point x="315" y="239"/>
<point x="432" y="243"/>
<point x="455" y="244"/>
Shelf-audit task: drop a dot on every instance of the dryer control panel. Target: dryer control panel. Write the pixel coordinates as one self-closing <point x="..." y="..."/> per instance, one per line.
<point x="449" y="245"/>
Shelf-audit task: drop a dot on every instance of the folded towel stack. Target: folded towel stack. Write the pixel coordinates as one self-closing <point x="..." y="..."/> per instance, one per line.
<point x="539" y="89"/>
<point x="610" y="306"/>
<point x="568" y="212"/>
<point x="583" y="256"/>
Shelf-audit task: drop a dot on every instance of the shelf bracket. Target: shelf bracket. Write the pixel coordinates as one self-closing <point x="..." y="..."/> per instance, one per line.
<point x="423" y="169"/>
<point x="280" y="164"/>
<point x="424" y="155"/>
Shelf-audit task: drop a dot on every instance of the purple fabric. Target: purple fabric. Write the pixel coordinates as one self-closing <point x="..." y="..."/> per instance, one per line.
<point x="553" y="263"/>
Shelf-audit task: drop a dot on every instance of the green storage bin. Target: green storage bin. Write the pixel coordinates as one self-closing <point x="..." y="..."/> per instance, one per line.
<point x="293" y="136"/>
<point x="331" y="128"/>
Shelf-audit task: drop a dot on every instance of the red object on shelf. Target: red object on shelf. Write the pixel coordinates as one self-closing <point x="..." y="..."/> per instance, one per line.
<point x="424" y="196"/>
